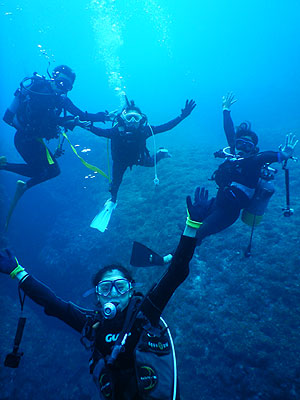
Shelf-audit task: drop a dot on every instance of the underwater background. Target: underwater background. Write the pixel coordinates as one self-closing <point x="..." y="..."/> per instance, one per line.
<point x="235" y="320"/>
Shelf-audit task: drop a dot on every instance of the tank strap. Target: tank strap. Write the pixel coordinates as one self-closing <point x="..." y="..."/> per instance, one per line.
<point x="86" y="164"/>
<point x="49" y="158"/>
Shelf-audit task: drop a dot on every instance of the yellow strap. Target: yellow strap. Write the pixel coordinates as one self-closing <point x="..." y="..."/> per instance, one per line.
<point x="191" y="223"/>
<point x="90" y="166"/>
<point x="49" y="158"/>
<point x="18" y="269"/>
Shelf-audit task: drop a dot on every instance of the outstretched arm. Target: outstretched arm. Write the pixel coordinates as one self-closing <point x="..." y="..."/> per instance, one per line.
<point x="285" y="152"/>
<point x="179" y="267"/>
<point x="227" y="102"/>
<point x="185" y="112"/>
<point x="100" y="116"/>
<point x="71" y="123"/>
<point x="41" y="294"/>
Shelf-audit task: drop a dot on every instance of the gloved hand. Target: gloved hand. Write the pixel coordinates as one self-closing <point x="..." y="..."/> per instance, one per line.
<point x="71" y="123"/>
<point x="111" y="115"/>
<point x="201" y="207"/>
<point x="188" y="108"/>
<point x="7" y="262"/>
<point x="287" y="150"/>
<point x="102" y="116"/>
<point x="227" y="101"/>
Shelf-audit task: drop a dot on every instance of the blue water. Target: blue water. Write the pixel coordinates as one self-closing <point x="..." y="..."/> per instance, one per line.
<point x="159" y="53"/>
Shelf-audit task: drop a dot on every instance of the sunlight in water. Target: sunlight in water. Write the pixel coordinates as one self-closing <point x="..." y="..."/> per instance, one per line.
<point x="109" y="19"/>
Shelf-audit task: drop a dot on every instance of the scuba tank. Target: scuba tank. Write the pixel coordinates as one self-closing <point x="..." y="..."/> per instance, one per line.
<point x="30" y="91"/>
<point x="10" y="113"/>
<point x="253" y="214"/>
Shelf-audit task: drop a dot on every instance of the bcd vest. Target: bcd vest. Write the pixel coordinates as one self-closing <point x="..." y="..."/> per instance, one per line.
<point x="154" y="376"/>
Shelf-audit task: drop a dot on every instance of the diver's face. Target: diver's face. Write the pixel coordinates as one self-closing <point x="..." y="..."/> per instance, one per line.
<point x="244" y="146"/>
<point x="62" y="84"/>
<point x="114" y="288"/>
<point x="131" y="118"/>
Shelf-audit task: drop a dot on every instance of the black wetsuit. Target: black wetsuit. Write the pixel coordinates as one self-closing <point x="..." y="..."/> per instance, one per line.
<point x="128" y="148"/>
<point x="237" y="180"/>
<point x="38" y="117"/>
<point x="152" y="308"/>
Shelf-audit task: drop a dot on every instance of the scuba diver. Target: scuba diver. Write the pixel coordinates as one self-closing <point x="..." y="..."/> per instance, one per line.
<point x="132" y="352"/>
<point x="243" y="181"/>
<point x="36" y="115"/>
<point x="240" y="178"/>
<point x="128" y="136"/>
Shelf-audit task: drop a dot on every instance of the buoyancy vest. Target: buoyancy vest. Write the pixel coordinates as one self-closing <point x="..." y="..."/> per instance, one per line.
<point x="259" y="196"/>
<point x="155" y="364"/>
<point x="154" y="376"/>
<point x="224" y="174"/>
<point x="129" y="146"/>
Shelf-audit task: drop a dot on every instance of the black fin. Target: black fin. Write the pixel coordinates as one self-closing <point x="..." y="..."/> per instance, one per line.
<point x="142" y="256"/>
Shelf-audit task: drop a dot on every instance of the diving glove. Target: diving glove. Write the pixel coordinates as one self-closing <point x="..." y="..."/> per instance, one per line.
<point x="200" y="208"/>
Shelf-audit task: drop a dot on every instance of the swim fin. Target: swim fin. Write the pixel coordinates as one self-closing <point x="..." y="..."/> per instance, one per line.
<point x="101" y="220"/>
<point x="142" y="256"/>
<point x="20" y="190"/>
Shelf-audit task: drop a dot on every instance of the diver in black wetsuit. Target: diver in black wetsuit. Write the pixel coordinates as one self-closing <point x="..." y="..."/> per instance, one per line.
<point x="132" y="356"/>
<point x="128" y="140"/>
<point x="237" y="177"/>
<point x="36" y="114"/>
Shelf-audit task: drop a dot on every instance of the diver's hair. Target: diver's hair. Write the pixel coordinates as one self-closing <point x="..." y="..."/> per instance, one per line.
<point x="109" y="268"/>
<point x="244" y="129"/>
<point x="64" y="69"/>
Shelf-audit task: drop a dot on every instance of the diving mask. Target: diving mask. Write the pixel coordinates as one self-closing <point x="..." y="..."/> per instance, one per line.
<point x="131" y="118"/>
<point x="244" y="145"/>
<point x="105" y="287"/>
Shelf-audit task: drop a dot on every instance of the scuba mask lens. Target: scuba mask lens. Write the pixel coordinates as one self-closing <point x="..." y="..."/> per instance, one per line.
<point x="244" y="145"/>
<point x="131" y="118"/>
<point x="122" y="286"/>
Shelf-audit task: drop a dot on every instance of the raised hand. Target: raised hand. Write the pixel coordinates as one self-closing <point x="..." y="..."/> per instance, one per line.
<point x="188" y="108"/>
<point x="287" y="150"/>
<point x="200" y="208"/>
<point x="228" y="100"/>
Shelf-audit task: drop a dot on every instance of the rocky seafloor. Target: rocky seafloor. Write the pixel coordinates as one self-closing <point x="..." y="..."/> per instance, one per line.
<point x="235" y="320"/>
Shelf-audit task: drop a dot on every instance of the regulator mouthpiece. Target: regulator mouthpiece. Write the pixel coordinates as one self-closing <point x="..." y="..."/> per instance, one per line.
<point x="109" y="310"/>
